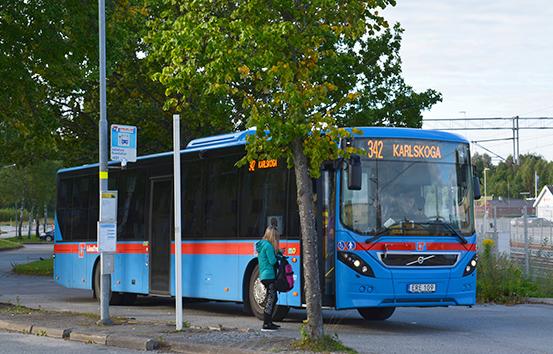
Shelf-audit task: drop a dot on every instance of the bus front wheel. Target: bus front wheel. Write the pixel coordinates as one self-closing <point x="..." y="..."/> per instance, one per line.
<point x="257" y="293"/>
<point x="114" y="298"/>
<point x="376" y="313"/>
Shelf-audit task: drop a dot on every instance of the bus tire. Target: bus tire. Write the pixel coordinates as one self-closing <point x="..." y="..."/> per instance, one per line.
<point x="256" y="295"/>
<point x="376" y="313"/>
<point x="114" y="298"/>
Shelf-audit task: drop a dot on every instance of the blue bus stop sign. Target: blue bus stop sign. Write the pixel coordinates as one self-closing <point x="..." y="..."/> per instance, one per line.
<point x="123" y="143"/>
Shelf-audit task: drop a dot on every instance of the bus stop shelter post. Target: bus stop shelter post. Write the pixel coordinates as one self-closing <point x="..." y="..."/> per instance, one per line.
<point x="105" y="259"/>
<point x="178" y="241"/>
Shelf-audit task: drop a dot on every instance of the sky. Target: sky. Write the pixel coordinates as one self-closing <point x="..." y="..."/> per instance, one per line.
<point x="491" y="58"/>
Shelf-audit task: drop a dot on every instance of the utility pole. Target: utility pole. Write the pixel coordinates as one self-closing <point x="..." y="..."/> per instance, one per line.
<point x="106" y="260"/>
<point x="178" y="234"/>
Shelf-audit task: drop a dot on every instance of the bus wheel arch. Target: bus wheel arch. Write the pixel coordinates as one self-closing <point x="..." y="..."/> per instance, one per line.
<point x="246" y="286"/>
<point x="254" y="306"/>
<point x="115" y="298"/>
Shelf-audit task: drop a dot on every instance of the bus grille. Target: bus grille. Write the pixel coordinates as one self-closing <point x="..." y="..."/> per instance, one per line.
<point x="419" y="259"/>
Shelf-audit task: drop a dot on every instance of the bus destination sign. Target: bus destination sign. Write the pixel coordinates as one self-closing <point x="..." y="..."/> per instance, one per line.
<point x="402" y="149"/>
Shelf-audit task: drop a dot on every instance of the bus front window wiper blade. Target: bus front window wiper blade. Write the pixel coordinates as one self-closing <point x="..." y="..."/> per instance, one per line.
<point x="449" y="227"/>
<point x="378" y="233"/>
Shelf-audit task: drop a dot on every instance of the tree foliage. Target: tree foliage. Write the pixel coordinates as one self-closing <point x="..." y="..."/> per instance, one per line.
<point x="509" y="180"/>
<point x="297" y="72"/>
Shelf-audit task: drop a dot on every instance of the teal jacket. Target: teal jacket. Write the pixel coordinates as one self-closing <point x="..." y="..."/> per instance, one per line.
<point x="267" y="260"/>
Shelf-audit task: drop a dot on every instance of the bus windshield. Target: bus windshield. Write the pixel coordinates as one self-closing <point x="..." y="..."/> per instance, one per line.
<point x="410" y="187"/>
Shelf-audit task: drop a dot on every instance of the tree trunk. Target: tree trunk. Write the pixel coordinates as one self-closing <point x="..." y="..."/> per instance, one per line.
<point x="20" y="226"/>
<point x="30" y="222"/>
<point x="37" y="223"/>
<point x="309" y="242"/>
<point x="45" y="218"/>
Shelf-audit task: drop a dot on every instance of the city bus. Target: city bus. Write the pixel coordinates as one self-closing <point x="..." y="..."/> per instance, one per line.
<point x="395" y="224"/>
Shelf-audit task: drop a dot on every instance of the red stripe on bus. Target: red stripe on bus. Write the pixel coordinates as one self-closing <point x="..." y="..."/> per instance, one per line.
<point x="127" y="248"/>
<point x="412" y="246"/>
<point x="132" y="248"/>
<point x="238" y="248"/>
<point x="68" y="248"/>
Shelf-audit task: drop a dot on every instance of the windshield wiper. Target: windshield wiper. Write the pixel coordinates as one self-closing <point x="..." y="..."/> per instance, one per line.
<point x="448" y="226"/>
<point x="382" y="231"/>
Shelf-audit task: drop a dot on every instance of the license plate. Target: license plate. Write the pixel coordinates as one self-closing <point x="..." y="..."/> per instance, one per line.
<point x="422" y="288"/>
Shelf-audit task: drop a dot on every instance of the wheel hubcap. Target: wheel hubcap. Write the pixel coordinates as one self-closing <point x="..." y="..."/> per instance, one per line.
<point x="259" y="292"/>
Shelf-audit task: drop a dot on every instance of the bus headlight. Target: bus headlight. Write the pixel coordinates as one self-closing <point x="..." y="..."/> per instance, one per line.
<point x="356" y="263"/>
<point x="471" y="266"/>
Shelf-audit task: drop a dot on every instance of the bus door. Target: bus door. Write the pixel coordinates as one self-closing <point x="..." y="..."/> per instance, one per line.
<point x="326" y="231"/>
<point x="161" y="226"/>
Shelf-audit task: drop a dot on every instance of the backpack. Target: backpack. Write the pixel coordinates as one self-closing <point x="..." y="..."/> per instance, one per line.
<point x="285" y="276"/>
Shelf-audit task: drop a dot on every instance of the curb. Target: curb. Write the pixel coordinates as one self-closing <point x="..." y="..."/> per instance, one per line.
<point x="121" y="341"/>
<point x="540" y="300"/>
<point x="51" y="332"/>
<point x="88" y="338"/>
<point x="15" y="327"/>
<point x="10" y="249"/>
<point x="132" y="342"/>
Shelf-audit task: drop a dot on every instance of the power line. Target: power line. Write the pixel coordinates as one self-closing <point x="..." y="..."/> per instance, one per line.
<point x="496" y="123"/>
<point x="488" y="150"/>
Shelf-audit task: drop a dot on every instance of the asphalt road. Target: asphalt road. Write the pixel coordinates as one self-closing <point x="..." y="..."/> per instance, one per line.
<point x="481" y="329"/>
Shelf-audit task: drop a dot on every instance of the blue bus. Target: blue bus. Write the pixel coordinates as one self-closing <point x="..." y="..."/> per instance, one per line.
<point x="395" y="224"/>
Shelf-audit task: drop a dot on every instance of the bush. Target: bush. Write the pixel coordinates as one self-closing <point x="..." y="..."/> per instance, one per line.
<point x="500" y="280"/>
<point x="8" y="214"/>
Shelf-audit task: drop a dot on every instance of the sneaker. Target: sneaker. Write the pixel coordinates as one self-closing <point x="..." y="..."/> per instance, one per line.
<point x="274" y="324"/>
<point x="269" y="328"/>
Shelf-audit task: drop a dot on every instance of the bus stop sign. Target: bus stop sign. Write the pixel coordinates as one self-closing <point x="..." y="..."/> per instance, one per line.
<point x="123" y="143"/>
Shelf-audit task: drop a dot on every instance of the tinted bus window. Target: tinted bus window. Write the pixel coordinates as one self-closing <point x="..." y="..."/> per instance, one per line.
<point x="93" y="208"/>
<point x="192" y="189"/>
<point x="130" y="206"/>
<point x="263" y="200"/>
<point x="221" y="198"/>
<point x="79" y="229"/>
<point x="293" y="230"/>
<point x="65" y="192"/>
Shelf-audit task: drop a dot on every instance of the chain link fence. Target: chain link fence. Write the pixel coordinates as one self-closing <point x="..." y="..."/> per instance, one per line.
<point x="525" y="239"/>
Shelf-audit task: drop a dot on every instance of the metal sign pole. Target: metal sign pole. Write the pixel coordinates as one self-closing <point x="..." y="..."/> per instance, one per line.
<point x="105" y="259"/>
<point x="178" y="241"/>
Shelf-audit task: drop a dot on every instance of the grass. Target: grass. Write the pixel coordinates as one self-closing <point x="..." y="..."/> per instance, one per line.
<point x="43" y="267"/>
<point x="324" y="344"/>
<point x="24" y="239"/>
<point x="6" y="244"/>
<point x="500" y="280"/>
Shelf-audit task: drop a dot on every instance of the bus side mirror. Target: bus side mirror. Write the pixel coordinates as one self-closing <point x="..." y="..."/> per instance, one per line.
<point x="476" y="184"/>
<point x="354" y="173"/>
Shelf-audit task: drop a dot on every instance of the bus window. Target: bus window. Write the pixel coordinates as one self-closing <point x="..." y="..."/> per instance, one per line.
<point x="221" y="198"/>
<point x="131" y="203"/>
<point x="263" y="199"/>
<point x="193" y="194"/>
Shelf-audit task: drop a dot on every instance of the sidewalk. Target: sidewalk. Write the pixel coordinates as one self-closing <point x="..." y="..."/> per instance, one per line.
<point x="129" y="333"/>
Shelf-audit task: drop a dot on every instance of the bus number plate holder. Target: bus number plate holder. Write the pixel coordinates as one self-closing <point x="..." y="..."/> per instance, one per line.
<point x="422" y="288"/>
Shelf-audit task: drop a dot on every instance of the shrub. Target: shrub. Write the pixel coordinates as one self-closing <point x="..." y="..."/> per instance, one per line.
<point x="500" y="280"/>
<point x="7" y="214"/>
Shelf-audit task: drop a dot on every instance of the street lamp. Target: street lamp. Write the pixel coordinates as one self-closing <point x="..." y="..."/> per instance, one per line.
<point x="485" y="198"/>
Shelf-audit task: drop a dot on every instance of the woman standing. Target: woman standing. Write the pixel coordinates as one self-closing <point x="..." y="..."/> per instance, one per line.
<point x="267" y="254"/>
